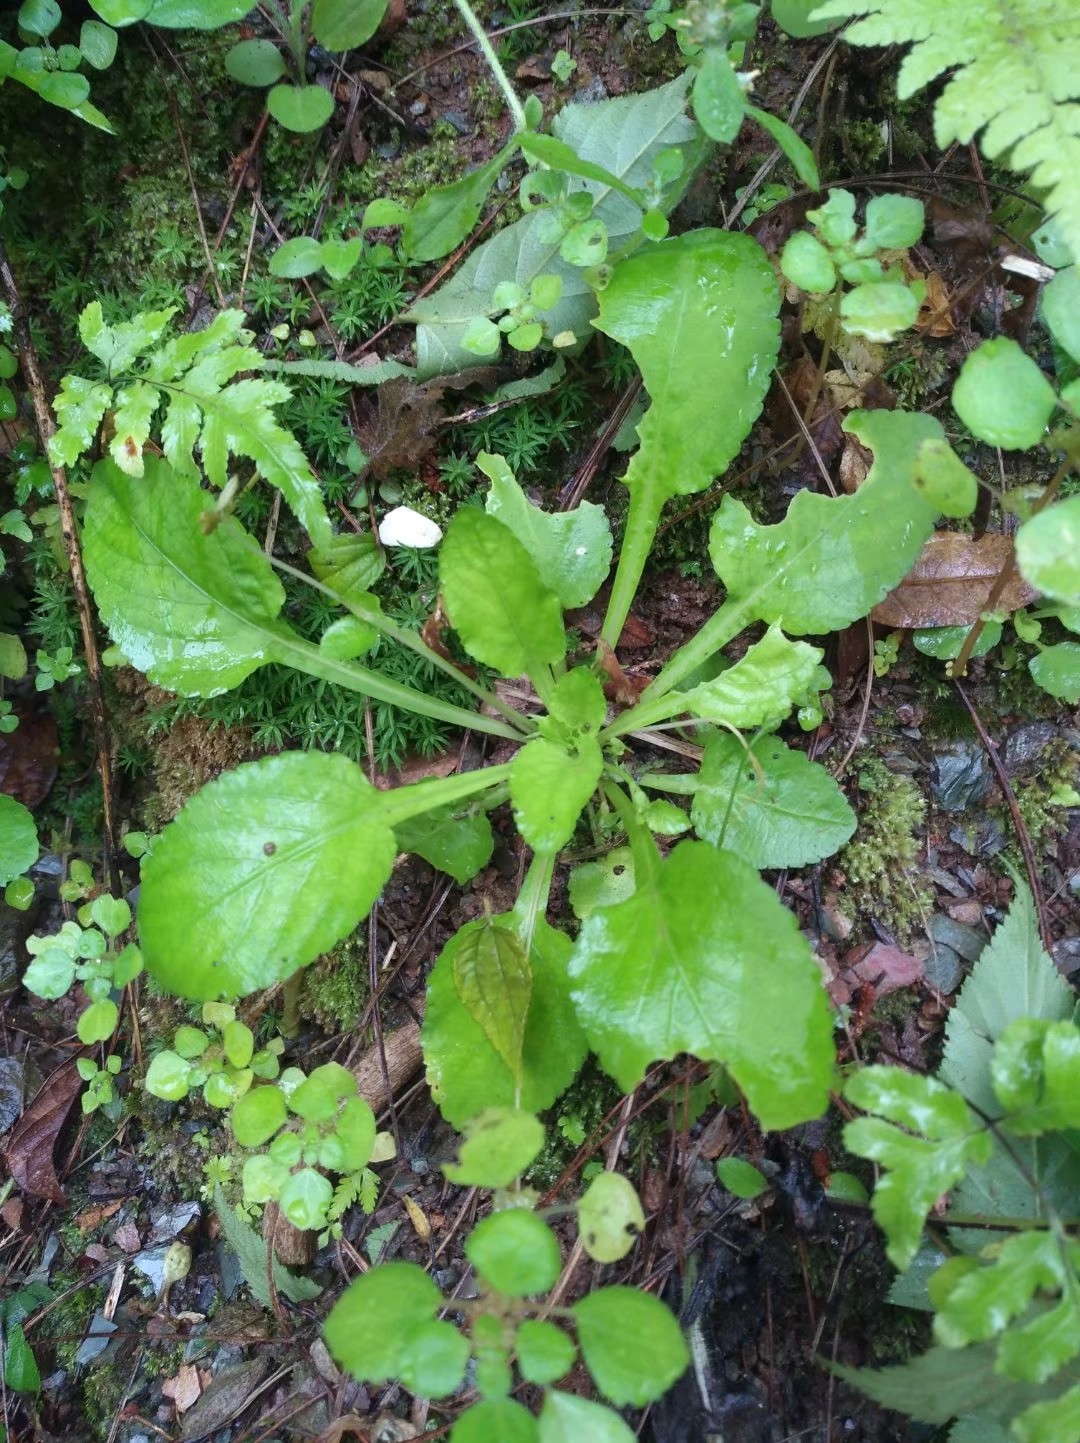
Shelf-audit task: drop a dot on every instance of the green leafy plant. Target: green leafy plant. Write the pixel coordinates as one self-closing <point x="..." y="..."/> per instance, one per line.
<point x="1015" y="84"/>
<point x="90" y="951"/>
<point x="386" y="1326"/>
<point x="994" y="1132"/>
<point x="223" y="1066"/>
<point x="880" y="302"/>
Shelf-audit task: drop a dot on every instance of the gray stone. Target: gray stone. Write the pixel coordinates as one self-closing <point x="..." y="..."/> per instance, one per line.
<point x="961" y="776"/>
<point x="947" y="932"/>
<point x="1027" y="743"/>
<point x="982" y="837"/>
<point x="11" y="1091"/>
<point x="1067" y="955"/>
<point x="943" y="969"/>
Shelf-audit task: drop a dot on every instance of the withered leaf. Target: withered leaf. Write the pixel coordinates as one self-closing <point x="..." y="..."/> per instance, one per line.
<point x="950" y="583"/>
<point x="29" y="1151"/>
<point x="397" y="427"/>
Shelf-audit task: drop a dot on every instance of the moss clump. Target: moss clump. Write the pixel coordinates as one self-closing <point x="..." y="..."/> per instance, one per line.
<point x="880" y="863"/>
<point x="334" y="990"/>
<point x="190" y="754"/>
<point x="1043" y="799"/>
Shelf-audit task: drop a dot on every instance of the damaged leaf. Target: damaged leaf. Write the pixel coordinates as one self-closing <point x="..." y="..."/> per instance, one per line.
<point x="951" y="582"/>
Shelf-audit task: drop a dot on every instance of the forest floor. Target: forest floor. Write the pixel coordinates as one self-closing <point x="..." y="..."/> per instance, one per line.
<point x="950" y="781"/>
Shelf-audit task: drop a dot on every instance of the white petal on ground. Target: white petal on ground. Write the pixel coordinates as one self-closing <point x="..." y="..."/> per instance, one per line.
<point x="405" y="527"/>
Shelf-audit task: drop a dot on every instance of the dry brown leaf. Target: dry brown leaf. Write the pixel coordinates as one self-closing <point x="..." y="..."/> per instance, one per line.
<point x="421" y="1226"/>
<point x="127" y="1237"/>
<point x="29" y="1152"/>
<point x="950" y="583"/>
<point x="185" y="1388"/>
<point x="94" y="1216"/>
<point x="935" y="316"/>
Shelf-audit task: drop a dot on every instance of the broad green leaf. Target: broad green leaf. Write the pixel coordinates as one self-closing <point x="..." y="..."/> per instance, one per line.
<point x="168" y="1077"/>
<point x="742" y="1179"/>
<point x="947" y="484"/>
<point x="196" y="611"/>
<point x="1013" y="978"/>
<point x="499" y="1418"/>
<point x="1057" y="670"/>
<point x="1048" y="551"/>
<point x="515" y="1253"/>
<point x="459" y="845"/>
<point x="39" y="17"/>
<point x="299" y="257"/>
<point x="691" y="963"/>
<point x="97" y="43"/>
<point x="348" y="637"/>
<point x="824" y="565"/>
<point x="505" y="615"/>
<point x="769" y="804"/>
<point x="1051" y="1421"/>
<point x="498" y="1145"/>
<point x="196" y="14"/>
<point x="624" y="136"/>
<point x="549" y="787"/>
<point x="631" y="1343"/>
<point x="893" y="222"/>
<point x="444" y="215"/>
<point x="190" y="1042"/>
<point x="97" y="1022"/>
<point x="256" y="63"/>
<point x="1036" y="1075"/>
<point x="340" y="256"/>
<point x="18" y="839"/>
<point x="793" y="16"/>
<point x="356" y="1131"/>
<point x="20" y="1367"/>
<point x="12" y="656"/>
<point x="257" y="1116"/>
<point x="464" y="1071"/>
<point x="300" y="108"/>
<point x="1061" y="310"/>
<point x="571" y="549"/>
<point x="436" y="1357"/>
<point x="719" y="98"/>
<point x="111" y="914"/>
<point x="345" y="24"/>
<point x="349" y="564"/>
<point x="1002" y="397"/>
<point x="254" y="860"/>
<point x="603" y="883"/>
<point x="946" y="1383"/>
<point x="610" y="1217"/>
<point x="807" y="264"/>
<point x="494" y="981"/>
<point x="566" y="1418"/>
<point x="304" y="1198"/>
<point x="761" y="688"/>
<point x="925" y="1134"/>
<point x="699" y="315"/>
<point x="545" y="1354"/>
<point x="51" y="973"/>
<point x="879" y="310"/>
<point x="79" y="405"/>
<point x="578" y="707"/>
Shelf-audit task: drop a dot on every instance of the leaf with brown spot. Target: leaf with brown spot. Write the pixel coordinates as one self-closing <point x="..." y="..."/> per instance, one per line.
<point x="29" y="1152"/>
<point x="951" y="582"/>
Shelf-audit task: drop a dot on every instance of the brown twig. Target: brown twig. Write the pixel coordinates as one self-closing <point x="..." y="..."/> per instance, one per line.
<point x="1023" y="836"/>
<point x="45" y="428"/>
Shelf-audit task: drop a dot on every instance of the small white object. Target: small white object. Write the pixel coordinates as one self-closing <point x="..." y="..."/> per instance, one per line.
<point x="1022" y="266"/>
<point x="405" y="527"/>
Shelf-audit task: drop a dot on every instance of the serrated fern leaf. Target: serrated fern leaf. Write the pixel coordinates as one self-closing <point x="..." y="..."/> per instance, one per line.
<point x="1016" y="80"/>
<point x="927" y="1137"/>
<point x="207" y="409"/>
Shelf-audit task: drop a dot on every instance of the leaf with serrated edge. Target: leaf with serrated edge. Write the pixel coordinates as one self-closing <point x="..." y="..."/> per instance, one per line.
<point x="691" y="963"/>
<point x="571" y="549"/>
<point x="549" y="787"/>
<point x="924" y="1134"/>
<point x="196" y="612"/>
<point x="631" y="1343"/>
<point x="762" y="686"/>
<point x="254" y="861"/>
<point x="505" y="615"/>
<point x="789" y="814"/>
<point x="464" y="1071"/>
<point x="494" y="981"/>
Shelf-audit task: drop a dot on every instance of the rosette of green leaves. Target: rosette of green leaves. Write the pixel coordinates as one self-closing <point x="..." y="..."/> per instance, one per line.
<point x="223" y="1065"/>
<point x="314" y="1125"/>
<point x="88" y="954"/>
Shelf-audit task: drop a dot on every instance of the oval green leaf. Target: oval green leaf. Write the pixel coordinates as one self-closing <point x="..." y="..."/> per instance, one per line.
<point x="631" y="1343"/>
<point x="300" y="108"/>
<point x="1048" y="551"/>
<point x="254" y="861"/>
<point x="1002" y="397"/>
<point x="369" y="1325"/>
<point x="344" y="24"/>
<point x="18" y="839"/>
<point x="515" y="1252"/>
<point x="256" y="63"/>
<point x="691" y="963"/>
<point x="610" y="1217"/>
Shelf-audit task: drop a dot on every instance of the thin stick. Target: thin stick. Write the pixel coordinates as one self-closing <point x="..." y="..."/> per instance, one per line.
<point x="45" y="428"/>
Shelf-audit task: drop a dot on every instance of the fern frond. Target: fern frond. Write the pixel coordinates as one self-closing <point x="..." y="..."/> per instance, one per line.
<point x="1016" y="80"/>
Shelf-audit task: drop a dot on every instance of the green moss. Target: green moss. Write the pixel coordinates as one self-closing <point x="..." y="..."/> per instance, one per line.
<point x="1039" y="798"/>
<point x="880" y="863"/>
<point x="334" y="990"/>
